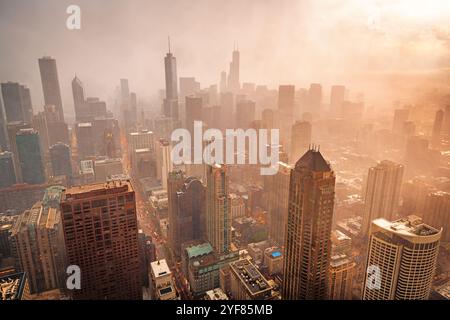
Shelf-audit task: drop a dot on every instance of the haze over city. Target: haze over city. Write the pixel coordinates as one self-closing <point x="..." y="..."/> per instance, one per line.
<point x="200" y="150"/>
<point x="370" y="45"/>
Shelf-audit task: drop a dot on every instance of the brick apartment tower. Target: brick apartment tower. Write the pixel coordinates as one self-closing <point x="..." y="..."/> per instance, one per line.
<point x="101" y="237"/>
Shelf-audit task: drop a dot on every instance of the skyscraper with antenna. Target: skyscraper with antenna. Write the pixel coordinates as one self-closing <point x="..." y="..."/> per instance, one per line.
<point x="233" y="76"/>
<point x="171" y="101"/>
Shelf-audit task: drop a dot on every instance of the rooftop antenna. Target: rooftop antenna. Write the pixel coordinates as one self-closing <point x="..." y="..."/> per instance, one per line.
<point x="168" y="40"/>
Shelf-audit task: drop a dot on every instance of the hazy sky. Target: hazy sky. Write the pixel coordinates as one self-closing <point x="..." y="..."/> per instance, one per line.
<point x="281" y="41"/>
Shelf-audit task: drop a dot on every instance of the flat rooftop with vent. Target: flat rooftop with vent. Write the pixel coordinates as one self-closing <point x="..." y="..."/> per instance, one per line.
<point x="251" y="279"/>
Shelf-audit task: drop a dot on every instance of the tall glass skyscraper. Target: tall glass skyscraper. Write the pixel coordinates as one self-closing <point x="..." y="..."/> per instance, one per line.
<point x="50" y="84"/>
<point x="30" y="156"/>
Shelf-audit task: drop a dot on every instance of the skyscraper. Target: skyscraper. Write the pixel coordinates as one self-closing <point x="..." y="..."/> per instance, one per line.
<point x="300" y="139"/>
<point x="382" y="192"/>
<point x="164" y="163"/>
<point x="58" y="131"/>
<point x="400" y="117"/>
<point x="223" y="82"/>
<point x="7" y="172"/>
<point x="101" y="237"/>
<point x="170" y="63"/>
<point x="4" y="141"/>
<point x="277" y="186"/>
<point x="308" y="230"/>
<point x="78" y="98"/>
<point x="60" y="157"/>
<point x="40" y="124"/>
<point x="174" y="182"/>
<point x="446" y="124"/>
<point x="162" y="284"/>
<point x="337" y="97"/>
<point x="267" y="116"/>
<point x="50" y="84"/>
<point x="218" y="220"/>
<point x="13" y="128"/>
<point x="436" y="212"/>
<point x="226" y="110"/>
<point x="30" y="156"/>
<point x="286" y="99"/>
<point x="437" y="129"/>
<point x="405" y="252"/>
<point x="194" y="112"/>
<point x="17" y="100"/>
<point x="187" y="210"/>
<point x="245" y="113"/>
<point x="340" y="281"/>
<point x="171" y="100"/>
<point x="233" y="75"/>
<point x="188" y="86"/>
<point x="315" y="97"/>
<point x="38" y="239"/>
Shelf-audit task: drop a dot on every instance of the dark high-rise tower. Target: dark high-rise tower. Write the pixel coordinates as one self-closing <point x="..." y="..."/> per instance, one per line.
<point x="171" y="101"/>
<point x="187" y="208"/>
<point x="30" y="156"/>
<point x="50" y="84"/>
<point x="78" y="97"/>
<point x="17" y="100"/>
<point x="233" y="76"/>
<point x="308" y="230"/>
<point x="170" y="63"/>
<point x="60" y="158"/>
<point x="7" y="172"/>
<point x="4" y="142"/>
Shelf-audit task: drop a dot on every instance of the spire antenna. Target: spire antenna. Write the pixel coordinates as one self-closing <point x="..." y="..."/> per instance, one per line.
<point x="168" y="40"/>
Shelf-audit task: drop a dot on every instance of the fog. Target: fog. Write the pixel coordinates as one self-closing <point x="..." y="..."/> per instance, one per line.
<point x="381" y="48"/>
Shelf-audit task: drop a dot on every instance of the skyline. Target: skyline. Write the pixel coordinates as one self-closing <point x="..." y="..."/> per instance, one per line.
<point x="308" y="160"/>
<point x="394" y="42"/>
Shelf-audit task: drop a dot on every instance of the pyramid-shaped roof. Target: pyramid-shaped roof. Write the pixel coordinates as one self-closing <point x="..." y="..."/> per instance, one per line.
<point x="314" y="161"/>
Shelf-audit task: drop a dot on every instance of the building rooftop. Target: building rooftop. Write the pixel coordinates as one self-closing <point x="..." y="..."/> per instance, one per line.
<point x="97" y="189"/>
<point x="85" y="125"/>
<point x="340" y="236"/>
<point x="250" y="277"/>
<point x="339" y="260"/>
<point x="216" y="294"/>
<point x="160" y="268"/>
<point x="444" y="290"/>
<point x="275" y="254"/>
<point x="199" y="250"/>
<point x="410" y="228"/>
<point x="12" y="286"/>
<point x="314" y="161"/>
